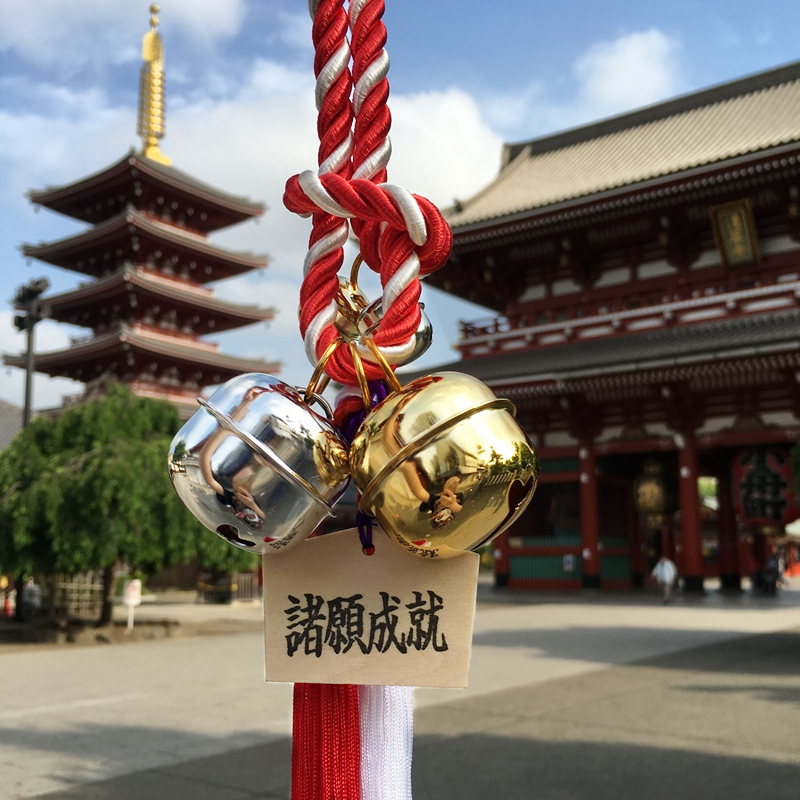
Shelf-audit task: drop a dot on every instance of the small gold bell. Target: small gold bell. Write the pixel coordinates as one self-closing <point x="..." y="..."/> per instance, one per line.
<point x="443" y="465"/>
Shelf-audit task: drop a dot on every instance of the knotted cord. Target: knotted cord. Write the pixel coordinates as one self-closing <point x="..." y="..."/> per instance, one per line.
<point x="402" y="236"/>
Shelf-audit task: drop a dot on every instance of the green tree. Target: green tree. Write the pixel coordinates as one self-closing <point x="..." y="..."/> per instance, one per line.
<point x="89" y="488"/>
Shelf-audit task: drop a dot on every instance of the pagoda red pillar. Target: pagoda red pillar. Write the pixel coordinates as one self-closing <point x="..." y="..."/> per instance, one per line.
<point x="590" y="517"/>
<point x="729" y="568"/>
<point x="691" y="541"/>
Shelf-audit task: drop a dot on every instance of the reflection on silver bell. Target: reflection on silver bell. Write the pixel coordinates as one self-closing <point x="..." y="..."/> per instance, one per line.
<point x="443" y="465"/>
<point x="257" y="465"/>
<point x="423" y="336"/>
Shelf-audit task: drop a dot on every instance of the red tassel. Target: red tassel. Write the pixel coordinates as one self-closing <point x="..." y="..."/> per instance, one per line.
<point x="326" y="743"/>
<point x="306" y="742"/>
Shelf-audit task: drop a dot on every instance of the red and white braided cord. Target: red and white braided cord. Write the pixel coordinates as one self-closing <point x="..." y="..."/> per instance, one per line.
<point x="402" y="236"/>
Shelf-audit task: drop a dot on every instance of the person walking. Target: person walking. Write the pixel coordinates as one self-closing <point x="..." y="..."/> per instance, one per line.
<point x="665" y="572"/>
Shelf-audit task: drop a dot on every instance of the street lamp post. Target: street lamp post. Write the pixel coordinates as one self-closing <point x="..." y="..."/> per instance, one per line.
<point x="26" y="300"/>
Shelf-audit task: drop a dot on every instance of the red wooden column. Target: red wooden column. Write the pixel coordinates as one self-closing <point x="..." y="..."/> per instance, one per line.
<point x="691" y="543"/>
<point x="501" y="559"/>
<point x="590" y="517"/>
<point x="729" y="569"/>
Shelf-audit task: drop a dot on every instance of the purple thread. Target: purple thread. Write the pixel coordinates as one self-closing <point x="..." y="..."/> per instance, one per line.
<point x="378" y="392"/>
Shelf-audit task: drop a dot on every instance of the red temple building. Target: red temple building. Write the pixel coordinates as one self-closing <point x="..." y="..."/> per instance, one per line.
<point x="148" y="260"/>
<point x="645" y="275"/>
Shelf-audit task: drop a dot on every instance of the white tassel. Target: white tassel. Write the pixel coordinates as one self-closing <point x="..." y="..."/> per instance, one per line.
<point x="387" y="737"/>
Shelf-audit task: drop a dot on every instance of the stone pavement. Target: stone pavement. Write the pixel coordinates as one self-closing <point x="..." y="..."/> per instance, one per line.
<point x="589" y="696"/>
<point x="718" y="721"/>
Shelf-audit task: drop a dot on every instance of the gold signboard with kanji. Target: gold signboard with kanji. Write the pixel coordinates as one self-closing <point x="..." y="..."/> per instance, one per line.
<point x="735" y="233"/>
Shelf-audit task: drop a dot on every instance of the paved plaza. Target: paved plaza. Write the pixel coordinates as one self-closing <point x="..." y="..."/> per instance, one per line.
<point x="588" y="696"/>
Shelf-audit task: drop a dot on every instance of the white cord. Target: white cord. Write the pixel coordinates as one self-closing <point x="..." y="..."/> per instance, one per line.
<point x="387" y="737"/>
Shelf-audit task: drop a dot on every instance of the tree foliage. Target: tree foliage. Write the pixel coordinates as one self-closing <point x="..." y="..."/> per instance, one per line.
<point x="90" y="487"/>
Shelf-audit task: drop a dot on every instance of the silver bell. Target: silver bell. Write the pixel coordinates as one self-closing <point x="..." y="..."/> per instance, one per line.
<point x="257" y="465"/>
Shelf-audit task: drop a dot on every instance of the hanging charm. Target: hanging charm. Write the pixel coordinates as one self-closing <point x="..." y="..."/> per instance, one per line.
<point x="257" y="465"/>
<point x="441" y="463"/>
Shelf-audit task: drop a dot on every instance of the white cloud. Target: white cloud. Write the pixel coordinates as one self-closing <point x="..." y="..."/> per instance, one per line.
<point x="633" y="70"/>
<point x="249" y="141"/>
<point x="47" y="392"/>
<point x="443" y="148"/>
<point x="70" y="34"/>
<point x="38" y="149"/>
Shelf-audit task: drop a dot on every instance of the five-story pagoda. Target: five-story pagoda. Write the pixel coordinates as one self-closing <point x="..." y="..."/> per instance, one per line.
<point x="149" y="258"/>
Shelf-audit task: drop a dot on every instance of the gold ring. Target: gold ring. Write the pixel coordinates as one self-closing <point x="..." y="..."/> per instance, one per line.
<point x="391" y="378"/>
<point x="318" y="380"/>
<point x="358" y="364"/>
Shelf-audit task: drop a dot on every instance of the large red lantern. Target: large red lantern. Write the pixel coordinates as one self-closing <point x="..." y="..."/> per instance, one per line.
<point x="764" y="487"/>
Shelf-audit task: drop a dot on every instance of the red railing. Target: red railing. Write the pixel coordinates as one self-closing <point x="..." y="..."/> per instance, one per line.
<point x="618" y="306"/>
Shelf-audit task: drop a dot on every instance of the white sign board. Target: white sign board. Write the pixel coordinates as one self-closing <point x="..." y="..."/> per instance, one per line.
<point x="132" y="593"/>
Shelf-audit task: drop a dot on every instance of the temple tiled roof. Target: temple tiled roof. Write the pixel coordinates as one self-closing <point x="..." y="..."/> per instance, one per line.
<point x="68" y="252"/>
<point x="79" y="199"/>
<point x="125" y="338"/>
<point x="752" y="115"/>
<point x="701" y="343"/>
<point x="186" y="295"/>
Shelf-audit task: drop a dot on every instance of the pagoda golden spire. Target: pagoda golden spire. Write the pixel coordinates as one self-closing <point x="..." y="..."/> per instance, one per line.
<point x="152" y="111"/>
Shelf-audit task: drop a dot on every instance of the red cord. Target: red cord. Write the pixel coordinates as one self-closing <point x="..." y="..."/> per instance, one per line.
<point x="381" y="229"/>
<point x="326" y="743"/>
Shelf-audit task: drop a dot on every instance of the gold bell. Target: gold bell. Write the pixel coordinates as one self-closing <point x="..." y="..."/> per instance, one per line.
<point x="442" y="464"/>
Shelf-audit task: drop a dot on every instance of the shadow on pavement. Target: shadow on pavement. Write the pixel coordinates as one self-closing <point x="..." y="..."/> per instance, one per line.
<point x="261" y="771"/>
<point x="717" y="721"/>
<point x="479" y="767"/>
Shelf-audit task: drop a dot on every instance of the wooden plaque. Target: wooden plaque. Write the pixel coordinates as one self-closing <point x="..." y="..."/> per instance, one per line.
<point x="335" y="615"/>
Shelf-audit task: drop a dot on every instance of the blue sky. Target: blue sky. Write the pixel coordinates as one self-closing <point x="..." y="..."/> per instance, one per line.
<point x="465" y="77"/>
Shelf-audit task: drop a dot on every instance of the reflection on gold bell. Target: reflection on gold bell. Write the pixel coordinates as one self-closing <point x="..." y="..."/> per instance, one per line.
<point x="443" y="465"/>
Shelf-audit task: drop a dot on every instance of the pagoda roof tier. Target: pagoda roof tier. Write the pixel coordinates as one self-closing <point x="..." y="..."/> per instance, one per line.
<point x="754" y="115"/>
<point x="132" y="292"/>
<point x="133" y="236"/>
<point x="140" y="181"/>
<point x="655" y="356"/>
<point x="131" y="353"/>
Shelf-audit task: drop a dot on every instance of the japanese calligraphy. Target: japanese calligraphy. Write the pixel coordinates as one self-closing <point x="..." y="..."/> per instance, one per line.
<point x="304" y="622"/>
<point x="343" y="623"/>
